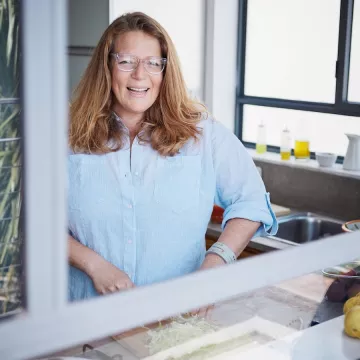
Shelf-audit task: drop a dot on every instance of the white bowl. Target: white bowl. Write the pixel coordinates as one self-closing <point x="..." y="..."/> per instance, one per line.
<point x="326" y="159"/>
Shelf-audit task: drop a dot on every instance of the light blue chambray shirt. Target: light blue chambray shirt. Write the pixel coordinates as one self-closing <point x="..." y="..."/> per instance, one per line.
<point x="147" y="214"/>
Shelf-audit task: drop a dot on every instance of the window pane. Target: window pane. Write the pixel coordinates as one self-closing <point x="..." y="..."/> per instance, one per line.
<point x="326" y="132"/>
<point x="354" y="80"/>
<point x="271" y="322"/>
<point x="291" y="49"/>
<point x="10" y="235"/>
<point x="10" y="160"/>
<point x="9" y="49"/>
<point x="77" y="66"/>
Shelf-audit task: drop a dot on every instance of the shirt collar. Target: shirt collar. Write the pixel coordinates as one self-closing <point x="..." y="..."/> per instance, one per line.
<point x="120" y="122"/>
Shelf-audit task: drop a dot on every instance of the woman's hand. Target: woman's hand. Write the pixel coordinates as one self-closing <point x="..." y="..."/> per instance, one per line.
<point x="107" y="278"/>
<point x="210" y="261"/>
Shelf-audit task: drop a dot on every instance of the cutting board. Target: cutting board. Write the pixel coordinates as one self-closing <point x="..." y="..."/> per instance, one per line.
<point x="280" y="210"/>
<point x="135" y="341"/>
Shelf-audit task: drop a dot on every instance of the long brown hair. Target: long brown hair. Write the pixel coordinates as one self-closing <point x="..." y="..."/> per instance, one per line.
<point x="168" y="124"/>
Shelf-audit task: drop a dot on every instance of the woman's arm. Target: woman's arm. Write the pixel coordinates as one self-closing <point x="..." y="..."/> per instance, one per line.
<point x="241" y="192"/>
<point x="106" y="277"/>
<point x="82" y="257"/>
<point x="236" y="235"/>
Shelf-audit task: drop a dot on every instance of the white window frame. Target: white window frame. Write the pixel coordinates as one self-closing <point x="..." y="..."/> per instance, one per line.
<point x="49" y="322"/>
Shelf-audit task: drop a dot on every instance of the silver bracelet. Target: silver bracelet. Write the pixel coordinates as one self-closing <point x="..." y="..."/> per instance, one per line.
<point x="223" y="251"/>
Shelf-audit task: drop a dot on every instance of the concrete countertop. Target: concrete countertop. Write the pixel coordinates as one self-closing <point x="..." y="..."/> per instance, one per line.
<point x="260" y="243"/>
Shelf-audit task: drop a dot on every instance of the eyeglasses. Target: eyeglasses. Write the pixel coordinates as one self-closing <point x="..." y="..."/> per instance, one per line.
<point x="128" y="62"/>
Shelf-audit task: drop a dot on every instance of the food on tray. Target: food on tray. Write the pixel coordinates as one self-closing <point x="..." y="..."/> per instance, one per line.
<point x="212" y="350"/>
<point x="180" y="330"/>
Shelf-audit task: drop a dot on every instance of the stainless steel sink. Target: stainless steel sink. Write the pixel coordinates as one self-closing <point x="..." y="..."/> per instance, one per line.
<point x="300" y="228"/>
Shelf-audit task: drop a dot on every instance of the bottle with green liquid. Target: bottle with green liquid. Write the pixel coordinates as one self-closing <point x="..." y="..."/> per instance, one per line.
<point x="285" y="147"/>
<point x="261" y="139"/>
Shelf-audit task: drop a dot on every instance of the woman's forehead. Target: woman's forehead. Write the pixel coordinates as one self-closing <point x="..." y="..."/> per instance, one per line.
<point x="137" y="43"/>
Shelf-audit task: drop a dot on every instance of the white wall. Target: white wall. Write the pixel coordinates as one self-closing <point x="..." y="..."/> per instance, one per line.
<point x="223" y="22"/>
<point x="185" y="22"/>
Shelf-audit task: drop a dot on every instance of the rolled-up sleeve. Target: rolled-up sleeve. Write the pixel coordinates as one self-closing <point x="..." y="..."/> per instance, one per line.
<point x="239" y="186"/>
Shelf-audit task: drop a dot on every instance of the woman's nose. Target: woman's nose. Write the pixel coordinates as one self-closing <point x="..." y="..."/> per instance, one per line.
<point x="140" y="72"/>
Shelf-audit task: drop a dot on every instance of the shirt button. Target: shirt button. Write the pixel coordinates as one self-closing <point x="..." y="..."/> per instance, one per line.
<point x="136" y="173"/>
<point x="129" y="241"/>
<point x="130" y="206"/>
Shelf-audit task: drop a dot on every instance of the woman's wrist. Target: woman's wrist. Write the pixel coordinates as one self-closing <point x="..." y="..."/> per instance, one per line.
<point x="224" y="251"/>
<point x="212" y="260"/>
<point x="92" y="262"/>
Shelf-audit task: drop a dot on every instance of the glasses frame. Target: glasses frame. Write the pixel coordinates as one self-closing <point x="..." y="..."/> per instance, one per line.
<point x="138" y="61"/>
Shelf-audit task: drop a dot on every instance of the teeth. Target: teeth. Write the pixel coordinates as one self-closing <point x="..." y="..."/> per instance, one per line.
<point x="137" y="89"/>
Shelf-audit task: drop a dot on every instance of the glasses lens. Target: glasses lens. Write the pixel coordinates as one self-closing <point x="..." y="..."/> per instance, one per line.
<point x="126" y="62"/>
<point x="154" y="65"/>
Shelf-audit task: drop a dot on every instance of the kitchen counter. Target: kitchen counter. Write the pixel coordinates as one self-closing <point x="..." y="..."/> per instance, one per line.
<point x="326" y="341"/>
<point x="289" y="306"/>
<point x="263" y="244"/>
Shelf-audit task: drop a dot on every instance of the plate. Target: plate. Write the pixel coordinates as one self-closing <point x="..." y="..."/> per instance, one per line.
<point x="340" y="271"/>
<point x="351" y="226"/>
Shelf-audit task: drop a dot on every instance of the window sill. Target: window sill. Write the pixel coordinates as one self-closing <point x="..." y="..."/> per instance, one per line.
<point x="274" y="158"/>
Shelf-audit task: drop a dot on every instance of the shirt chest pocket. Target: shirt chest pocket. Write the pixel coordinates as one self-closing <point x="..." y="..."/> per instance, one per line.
<point x="90" y="184"/>
<point x="177" y="183"/>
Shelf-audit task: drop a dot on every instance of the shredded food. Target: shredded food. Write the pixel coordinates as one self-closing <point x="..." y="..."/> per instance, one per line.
<point x="178" y="331"/>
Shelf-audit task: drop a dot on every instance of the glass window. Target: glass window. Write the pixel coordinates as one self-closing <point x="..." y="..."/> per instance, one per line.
<point x="354" y="79"/>
<point x="10" y="160"/>
<point x="77" y="66"/>
<point x="239" y="314"/>
<point x="291" y="49"/>
<point x="326" y="132"/>
<point x="278" y="321"/>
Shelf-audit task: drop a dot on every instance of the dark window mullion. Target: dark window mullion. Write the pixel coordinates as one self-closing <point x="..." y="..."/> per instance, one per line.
<point x="240" y="86"/>
<point x="342" y="109"/>
<point x="341" y="105"/>
<point x="344" y="48"/>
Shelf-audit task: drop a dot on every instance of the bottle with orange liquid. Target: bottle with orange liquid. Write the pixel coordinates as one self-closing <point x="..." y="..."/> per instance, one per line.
<point x="302" y="145"/>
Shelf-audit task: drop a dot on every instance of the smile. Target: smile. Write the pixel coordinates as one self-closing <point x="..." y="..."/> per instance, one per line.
<point x="139" y="90"/>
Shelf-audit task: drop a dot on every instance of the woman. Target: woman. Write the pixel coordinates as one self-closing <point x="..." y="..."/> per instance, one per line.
<point x="146" y="166"/>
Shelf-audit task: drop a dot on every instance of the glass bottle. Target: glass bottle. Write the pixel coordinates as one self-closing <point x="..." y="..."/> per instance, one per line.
<point x="285" y="146"/>
<point x="261" y="139"/>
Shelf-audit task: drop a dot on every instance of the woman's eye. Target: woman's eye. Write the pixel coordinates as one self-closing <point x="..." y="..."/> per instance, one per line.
<point x="154" y="63"/>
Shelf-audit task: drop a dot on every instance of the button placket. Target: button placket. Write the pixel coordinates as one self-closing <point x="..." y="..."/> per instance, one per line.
<point x="129" y="235"/>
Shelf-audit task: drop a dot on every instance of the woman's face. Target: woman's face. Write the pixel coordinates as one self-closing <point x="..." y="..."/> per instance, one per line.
<point x="135" y="91"/>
